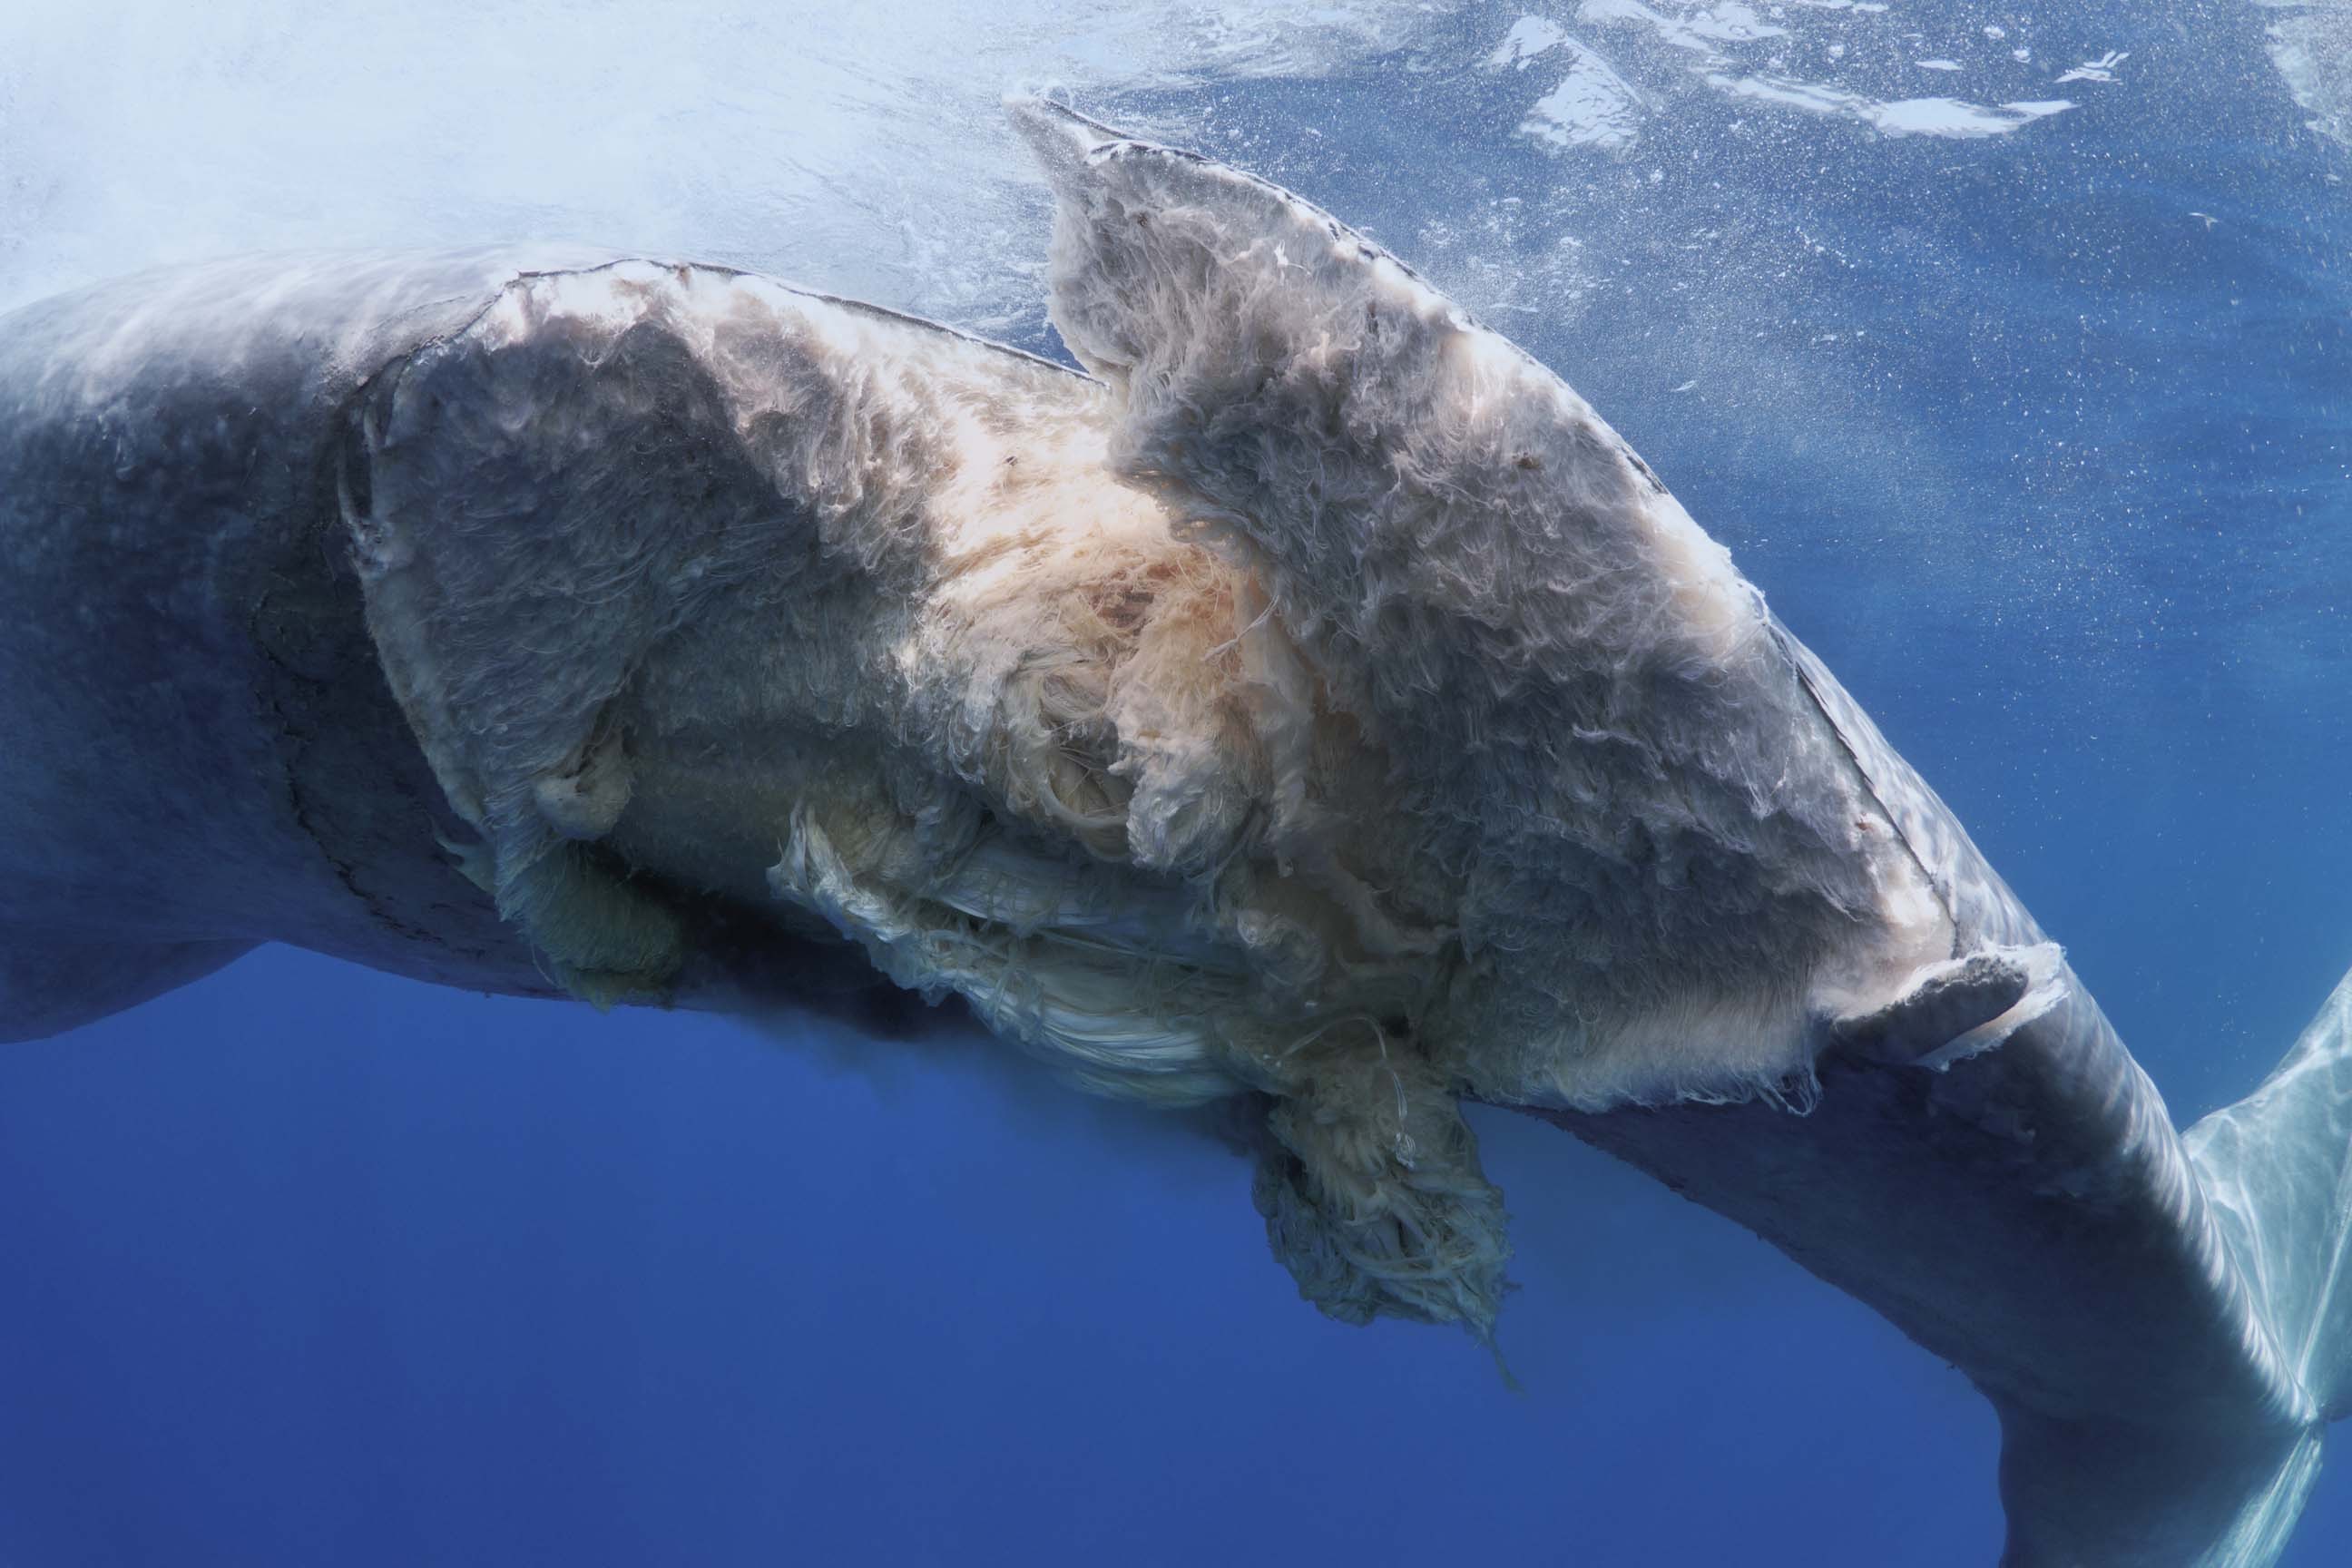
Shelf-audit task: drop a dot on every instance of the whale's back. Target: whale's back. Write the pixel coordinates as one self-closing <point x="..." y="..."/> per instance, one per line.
<point x="205" y="743"/>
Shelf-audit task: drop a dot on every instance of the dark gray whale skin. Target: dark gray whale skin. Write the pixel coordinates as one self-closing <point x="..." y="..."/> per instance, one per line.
<point x="2029" y="1214"/>
<point x="189" y="736"/>
<point x="202" y="753"/>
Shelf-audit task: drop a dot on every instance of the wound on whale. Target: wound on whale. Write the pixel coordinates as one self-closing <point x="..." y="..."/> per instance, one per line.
<point x="1314" y="705"/>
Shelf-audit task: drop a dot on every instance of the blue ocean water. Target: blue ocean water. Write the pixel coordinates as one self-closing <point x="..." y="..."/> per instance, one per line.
<point x="2041" y="438"/>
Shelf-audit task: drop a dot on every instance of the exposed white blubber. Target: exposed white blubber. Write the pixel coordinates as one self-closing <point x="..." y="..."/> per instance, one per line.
<point x="1323" y="704"/>
<point x="1660" y="864"/>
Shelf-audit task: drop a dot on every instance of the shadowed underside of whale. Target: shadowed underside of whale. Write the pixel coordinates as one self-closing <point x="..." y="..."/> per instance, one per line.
<point x="1316" y="702"/>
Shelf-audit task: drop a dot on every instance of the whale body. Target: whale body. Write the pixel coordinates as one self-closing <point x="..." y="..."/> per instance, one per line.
<point x="1313" y="705"/>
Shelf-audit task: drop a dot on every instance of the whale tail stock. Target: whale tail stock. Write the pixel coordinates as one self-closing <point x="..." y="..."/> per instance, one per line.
<point x="2277" y="1167"/>
<point x="2274" y="1173"/>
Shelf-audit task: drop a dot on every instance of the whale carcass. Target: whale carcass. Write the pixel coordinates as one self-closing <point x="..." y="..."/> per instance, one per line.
<point x="1314" y="705"/>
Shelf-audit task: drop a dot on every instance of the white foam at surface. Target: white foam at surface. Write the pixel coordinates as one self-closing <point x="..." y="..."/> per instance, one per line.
<point x="1947" y="117"/>
<point x="2100" y="69"/>
<point x="1754" y="56"/>
<point x="1591" y="106"/>
<point x="2311" y="45"/>
<point x="1685" y="26"/>
<point x="1529" y="37"/>
<point x="857" y="148"/>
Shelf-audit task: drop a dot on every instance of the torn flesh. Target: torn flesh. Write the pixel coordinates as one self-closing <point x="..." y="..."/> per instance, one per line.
<point x="1317" y="702"/>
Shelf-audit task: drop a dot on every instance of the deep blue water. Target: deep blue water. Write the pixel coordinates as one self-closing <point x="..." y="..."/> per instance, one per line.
<point x="305" y="1265"/>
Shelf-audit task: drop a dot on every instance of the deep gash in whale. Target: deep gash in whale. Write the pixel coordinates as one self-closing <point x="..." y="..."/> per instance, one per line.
<point x="1316" y="705"/>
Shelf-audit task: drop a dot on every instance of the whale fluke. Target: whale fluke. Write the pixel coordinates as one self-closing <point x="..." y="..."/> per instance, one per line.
<point x="2277" y="1166"/>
